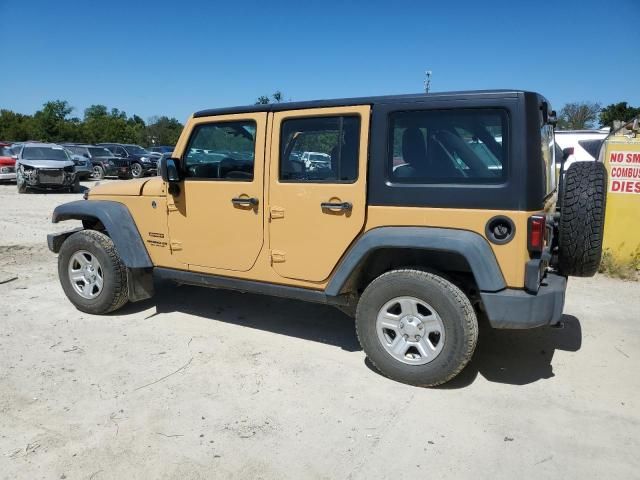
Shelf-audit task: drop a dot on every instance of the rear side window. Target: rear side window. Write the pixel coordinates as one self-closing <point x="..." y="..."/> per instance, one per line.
<point x="448" y="146"/>
<point x="548" y="154"/>
<point x="222" y="150"/>
<point x="320" y="149"/>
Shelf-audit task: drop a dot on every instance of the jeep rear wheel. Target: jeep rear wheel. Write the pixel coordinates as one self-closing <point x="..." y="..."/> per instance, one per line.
<point x="581" y="225"/>
<point x="91" y="273"/>
<point x="416" y="327"/>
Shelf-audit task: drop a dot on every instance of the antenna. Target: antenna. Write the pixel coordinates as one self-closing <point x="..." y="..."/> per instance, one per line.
<point x="427" y="81"/>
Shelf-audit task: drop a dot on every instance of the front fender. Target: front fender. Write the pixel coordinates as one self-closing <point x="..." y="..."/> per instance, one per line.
<point x="118" y="223"/>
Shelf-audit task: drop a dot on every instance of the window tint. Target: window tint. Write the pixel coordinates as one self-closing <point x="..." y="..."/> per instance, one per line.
<point x="442" y="146"/>
<point x="592" y="147"/>
<point x="222" y="150"/>
<point x="320" y="149"/>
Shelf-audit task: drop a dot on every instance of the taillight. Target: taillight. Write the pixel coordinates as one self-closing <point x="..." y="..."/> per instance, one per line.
<point x="536" y="230"/>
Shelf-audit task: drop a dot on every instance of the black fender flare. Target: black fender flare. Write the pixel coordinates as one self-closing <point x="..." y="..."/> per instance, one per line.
<point x="118" y="222"/>
<point x="472" y="246"/>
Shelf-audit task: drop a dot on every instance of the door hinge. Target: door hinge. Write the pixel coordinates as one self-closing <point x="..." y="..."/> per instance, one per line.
<point x="276" y="212"/>
<point x="277" y="256"/>
<point x="176" y="246"/>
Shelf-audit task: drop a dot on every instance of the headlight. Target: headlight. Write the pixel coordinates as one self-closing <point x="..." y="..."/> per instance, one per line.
<point x="144" y="159"/>
<point x="110" y="163"/>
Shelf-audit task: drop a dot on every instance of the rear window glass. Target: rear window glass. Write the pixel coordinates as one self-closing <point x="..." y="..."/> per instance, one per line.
<point x="592" y="147"/>
<point x="448" y="146"/>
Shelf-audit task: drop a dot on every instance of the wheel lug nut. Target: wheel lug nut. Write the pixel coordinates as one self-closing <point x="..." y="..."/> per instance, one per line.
<point x="420" y="326"/>
<point x="405" y="336"/>
<point x="417" y="338"/>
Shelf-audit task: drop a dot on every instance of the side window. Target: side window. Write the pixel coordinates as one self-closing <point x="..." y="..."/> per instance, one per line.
<point x="320" y="149"/>
<point x="118" y="151"/>
<point x="448" y="146"/>
<point x="222" y="150"/>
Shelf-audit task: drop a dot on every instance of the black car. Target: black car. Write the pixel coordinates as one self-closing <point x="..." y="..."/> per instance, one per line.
<point x="142" y="162"/>
<point x="104" y="163"/>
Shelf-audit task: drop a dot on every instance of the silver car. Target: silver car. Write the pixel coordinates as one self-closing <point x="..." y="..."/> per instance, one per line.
<point x="45" y="166"/>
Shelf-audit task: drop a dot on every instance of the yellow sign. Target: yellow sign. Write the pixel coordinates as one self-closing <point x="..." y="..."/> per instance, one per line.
<point x="622" y="223"/>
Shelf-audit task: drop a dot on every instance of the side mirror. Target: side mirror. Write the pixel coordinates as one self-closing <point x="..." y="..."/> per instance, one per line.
<point x="169" y="170"/>
<point x="567" y="152"/>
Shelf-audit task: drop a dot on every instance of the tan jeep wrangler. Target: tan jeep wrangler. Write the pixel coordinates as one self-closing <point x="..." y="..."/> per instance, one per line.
<point x="416" y="213"/>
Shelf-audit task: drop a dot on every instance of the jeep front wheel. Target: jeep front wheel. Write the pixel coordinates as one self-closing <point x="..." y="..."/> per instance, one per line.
<point x="416" y="327"/>
<point x="91" y="273"/>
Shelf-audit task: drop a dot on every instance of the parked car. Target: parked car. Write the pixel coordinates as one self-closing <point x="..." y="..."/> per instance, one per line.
<point x="7" y="163"/>
<point x="316" y="160"/>
<point x="45" y="166"/>
<point x="141" y="161"/>
<point x="84" y="169"/>
<point x="414" y="252"/>
<point x="585" y="144"/>
<point x="104" y="163"/>
<point x="161" y="150"/>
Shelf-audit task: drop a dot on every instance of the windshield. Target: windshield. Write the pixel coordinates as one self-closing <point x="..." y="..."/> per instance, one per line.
<point x="100" y="152"/>
<point x="44" y="153"/>
<point x="136" y="150"/>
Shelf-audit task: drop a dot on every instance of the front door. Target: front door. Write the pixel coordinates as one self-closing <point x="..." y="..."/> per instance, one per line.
<point x="216" y="220"/>
<point x="317" y="188"/>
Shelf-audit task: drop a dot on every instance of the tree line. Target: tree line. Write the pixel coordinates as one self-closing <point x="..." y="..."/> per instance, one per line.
<point x="54" y="123"/>
<point x="581" y="115"/>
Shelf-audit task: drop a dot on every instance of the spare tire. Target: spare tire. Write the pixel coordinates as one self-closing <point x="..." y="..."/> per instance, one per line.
<point x="582" y="208"/>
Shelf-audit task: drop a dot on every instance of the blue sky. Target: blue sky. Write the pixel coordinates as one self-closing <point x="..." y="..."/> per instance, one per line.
<point x="172" y="58"/>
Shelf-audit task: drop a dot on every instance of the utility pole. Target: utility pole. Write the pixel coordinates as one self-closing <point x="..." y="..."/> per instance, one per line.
<point x="427" y="81"/>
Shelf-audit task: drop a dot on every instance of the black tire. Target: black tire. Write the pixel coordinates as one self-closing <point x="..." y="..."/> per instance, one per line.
<point x="114" y="291"/>
<point x="453" y="307"/>
<point x="581" y="225"/>
<point x="98" y="172"/>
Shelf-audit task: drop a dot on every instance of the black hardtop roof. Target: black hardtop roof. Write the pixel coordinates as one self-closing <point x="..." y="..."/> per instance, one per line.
<point x="341" y="102"/>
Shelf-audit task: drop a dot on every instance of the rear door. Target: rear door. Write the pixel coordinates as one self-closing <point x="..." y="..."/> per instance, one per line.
<point x="317" y="188"/>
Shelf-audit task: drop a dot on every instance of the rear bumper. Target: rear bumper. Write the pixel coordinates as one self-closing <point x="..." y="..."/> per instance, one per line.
<point x="520" y="309"/>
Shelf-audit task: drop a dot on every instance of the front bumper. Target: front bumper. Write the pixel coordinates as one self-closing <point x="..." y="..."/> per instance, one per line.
<point x="519" y="309"/>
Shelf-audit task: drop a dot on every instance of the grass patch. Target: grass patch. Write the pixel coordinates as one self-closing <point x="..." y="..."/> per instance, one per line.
<point x="626" y="269"/>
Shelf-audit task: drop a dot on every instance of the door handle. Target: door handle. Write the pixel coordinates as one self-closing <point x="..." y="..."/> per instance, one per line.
<point x="344" y="206"/>
<point x="245" y="202"/>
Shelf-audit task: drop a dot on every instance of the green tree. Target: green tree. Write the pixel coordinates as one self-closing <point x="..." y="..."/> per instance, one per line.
<point x="50" y="123"/>
<point x="276" y="97"/>
<point x="162" y="131"/>
<point x="578" y="115"/>
<point x="617" y="111"/>
<point x="15" y="126"/>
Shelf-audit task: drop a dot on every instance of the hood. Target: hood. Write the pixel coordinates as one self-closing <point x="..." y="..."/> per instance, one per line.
<point x="127" y="188"/>
<point x="58" y="164"/>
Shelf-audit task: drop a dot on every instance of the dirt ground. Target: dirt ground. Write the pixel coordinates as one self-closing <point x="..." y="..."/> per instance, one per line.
<point x="202" y="383"/>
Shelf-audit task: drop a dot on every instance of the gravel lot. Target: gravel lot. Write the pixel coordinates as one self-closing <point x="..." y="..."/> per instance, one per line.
<point x="210" y="384"/>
